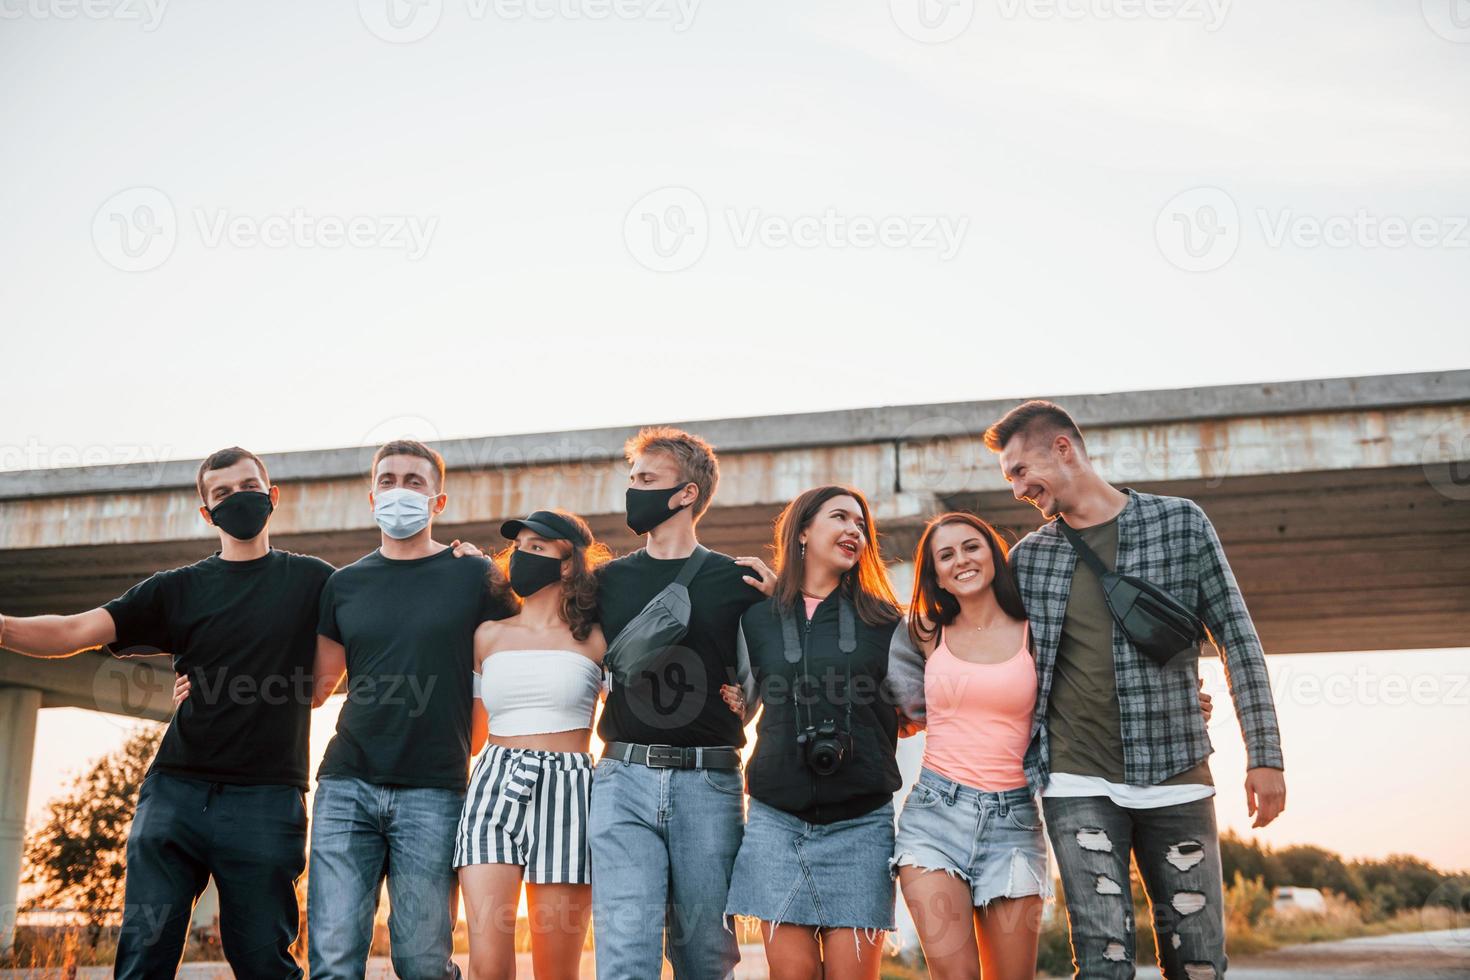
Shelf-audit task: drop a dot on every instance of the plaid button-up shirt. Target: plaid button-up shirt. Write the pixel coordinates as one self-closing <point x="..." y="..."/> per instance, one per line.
<point x="1170" y="542"/>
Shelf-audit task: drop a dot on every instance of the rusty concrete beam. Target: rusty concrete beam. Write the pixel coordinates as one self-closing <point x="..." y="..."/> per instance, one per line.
<point x="901" y="423"/>
<point x="139" y="687"/>
<point x="904" y="479"/>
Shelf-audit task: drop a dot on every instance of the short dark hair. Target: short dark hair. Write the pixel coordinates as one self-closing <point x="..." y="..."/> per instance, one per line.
<point x="1029" y="417"/>
<point x="408" y="447"/>
<point x="222" y="458"/>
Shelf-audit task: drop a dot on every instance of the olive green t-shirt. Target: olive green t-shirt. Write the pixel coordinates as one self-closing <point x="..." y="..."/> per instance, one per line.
<point x="1083" y="726"/>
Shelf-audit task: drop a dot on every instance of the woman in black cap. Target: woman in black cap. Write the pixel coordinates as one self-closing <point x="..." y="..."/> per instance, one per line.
<point x="538" y="675"/>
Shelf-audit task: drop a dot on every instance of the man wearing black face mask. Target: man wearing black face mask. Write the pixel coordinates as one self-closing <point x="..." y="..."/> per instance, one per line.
<point x="224" y="797"/>
<point x="666" y="816"/>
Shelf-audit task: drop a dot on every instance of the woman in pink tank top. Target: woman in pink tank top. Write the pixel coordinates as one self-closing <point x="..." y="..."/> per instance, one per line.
<point x="969" y="836"/>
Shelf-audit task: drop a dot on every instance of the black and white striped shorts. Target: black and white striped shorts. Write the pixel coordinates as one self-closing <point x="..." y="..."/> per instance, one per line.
<point x="528" y="807"/>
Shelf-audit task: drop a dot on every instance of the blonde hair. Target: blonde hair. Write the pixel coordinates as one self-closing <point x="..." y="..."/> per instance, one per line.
<point x="694" y="458"/>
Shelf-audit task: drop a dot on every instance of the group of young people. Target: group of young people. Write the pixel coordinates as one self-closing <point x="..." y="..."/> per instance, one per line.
<point x="1036" y="700"/>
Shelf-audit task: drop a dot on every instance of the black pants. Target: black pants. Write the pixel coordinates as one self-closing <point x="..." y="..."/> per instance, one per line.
<point x="250" y="839"/>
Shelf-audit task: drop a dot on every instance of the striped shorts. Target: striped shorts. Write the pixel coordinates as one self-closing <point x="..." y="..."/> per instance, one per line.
<point x="528" y="807"/>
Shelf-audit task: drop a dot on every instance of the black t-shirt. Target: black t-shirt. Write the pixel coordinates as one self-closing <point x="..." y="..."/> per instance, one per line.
<point x="678" y="701"/>
<point x="245" y="633"/>
<point x="408" y="627"/>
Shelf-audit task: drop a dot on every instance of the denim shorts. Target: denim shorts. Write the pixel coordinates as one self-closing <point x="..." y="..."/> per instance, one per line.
<point x="993" y="841"/>
<point x="828" y="876"/>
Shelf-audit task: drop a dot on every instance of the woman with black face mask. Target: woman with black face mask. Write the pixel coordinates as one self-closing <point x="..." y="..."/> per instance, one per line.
<point x="538" y="676"/>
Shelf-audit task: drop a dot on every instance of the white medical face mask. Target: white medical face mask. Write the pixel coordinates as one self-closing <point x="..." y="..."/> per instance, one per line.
<point x="401" y="512"/>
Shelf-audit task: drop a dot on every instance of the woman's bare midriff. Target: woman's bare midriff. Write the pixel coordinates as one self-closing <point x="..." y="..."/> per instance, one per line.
<point x="573" y="741"/>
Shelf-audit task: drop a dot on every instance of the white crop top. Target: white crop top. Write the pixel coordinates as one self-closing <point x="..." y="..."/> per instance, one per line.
<point x="536" y="692"/>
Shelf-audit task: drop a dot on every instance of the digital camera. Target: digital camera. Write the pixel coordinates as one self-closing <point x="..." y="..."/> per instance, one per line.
<point x="824" y="748"/>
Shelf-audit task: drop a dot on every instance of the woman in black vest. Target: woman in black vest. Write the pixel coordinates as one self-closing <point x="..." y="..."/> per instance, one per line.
<point x="813" y="866"/>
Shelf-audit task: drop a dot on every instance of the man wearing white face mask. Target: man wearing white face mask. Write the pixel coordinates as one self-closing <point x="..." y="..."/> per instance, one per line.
<point x="400" y="624"/>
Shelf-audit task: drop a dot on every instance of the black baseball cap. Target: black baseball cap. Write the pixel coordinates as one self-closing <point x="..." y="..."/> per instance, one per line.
<point x="548" y="524"/>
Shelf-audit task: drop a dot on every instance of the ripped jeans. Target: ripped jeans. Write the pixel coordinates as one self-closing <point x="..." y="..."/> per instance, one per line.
<point x="1178" y="853"/>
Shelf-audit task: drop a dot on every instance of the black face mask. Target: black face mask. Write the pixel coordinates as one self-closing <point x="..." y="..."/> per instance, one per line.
<point x="242" y="514"/>
<point x="530" y="573"/>
<point x="647" y="509"/>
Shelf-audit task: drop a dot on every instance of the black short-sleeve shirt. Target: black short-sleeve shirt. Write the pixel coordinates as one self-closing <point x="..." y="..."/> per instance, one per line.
<point x="245" y="633"/>
<point x="408" y="626"/>
<point x="677" y="702"/>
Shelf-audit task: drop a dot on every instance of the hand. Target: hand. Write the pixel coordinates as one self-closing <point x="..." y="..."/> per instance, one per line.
<point x="1265" y="794"/>
<point x="734" y="699"/>
<point x="462" y="548"/>
<point x="763" y="578"/>
<point x="181" y="689"/>
<point x="907" y="726"/>
<point x="1206" y="703"/>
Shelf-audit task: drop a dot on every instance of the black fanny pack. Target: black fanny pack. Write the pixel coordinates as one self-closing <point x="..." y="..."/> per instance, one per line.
<point x="1159" y="625"/>
<point x="659" y="625"/>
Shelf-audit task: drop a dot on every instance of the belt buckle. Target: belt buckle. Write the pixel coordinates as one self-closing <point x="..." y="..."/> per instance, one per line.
<point x="665" y="757"/>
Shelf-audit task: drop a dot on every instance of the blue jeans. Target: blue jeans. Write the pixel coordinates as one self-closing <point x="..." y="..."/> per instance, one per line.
<point x="663" y="846"/>
<point x="1178" y="854"/>
<point x="251" y="839"/>
<point x="360" y="834"/>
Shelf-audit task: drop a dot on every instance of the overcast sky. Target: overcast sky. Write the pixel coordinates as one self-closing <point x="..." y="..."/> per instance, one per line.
<point x="267" y="224"/>
<point x="291" y="225"/>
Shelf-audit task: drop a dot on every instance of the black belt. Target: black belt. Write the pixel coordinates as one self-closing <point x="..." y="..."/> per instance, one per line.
<point x="674" y="756"/>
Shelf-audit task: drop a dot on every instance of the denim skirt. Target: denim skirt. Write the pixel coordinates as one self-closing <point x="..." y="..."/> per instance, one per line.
<point x="828" y="876"/>
<point x="992" y="841"/>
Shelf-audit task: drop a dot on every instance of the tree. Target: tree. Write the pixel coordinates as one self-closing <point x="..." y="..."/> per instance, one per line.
<point x="79" y="853"/>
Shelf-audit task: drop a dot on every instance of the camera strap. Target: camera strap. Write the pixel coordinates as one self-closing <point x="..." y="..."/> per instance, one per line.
<point x="846" y="631"/>
<point x="795" y="651"/>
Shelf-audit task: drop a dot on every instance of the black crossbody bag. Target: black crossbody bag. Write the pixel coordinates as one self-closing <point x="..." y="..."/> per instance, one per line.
<point x="659" y="625"/>
<point x="1159" y="625"/>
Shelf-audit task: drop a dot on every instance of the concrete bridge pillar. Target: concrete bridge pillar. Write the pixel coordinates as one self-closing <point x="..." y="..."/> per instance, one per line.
<point x="18" y="709"/>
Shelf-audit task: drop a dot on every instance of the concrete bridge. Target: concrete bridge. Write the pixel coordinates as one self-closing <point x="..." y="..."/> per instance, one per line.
<point x="1344" y="505"/>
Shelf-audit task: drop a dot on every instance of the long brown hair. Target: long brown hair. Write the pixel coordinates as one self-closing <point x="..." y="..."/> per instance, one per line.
<point x="578" y="607"/>
<point x="933" y="607"/>
<point x="866" y="584"/>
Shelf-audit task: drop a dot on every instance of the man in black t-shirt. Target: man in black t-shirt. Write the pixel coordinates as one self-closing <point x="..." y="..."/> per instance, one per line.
<point x="400" y="623"/>
<point x="225" y="795"/>
<point x="667" y="814"/>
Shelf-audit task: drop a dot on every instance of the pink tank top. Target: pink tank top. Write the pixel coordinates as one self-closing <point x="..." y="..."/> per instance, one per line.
<point x="979" y="717"/>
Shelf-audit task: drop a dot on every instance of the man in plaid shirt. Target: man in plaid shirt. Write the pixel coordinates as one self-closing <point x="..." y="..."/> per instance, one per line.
<point x="1119" y="750"/>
